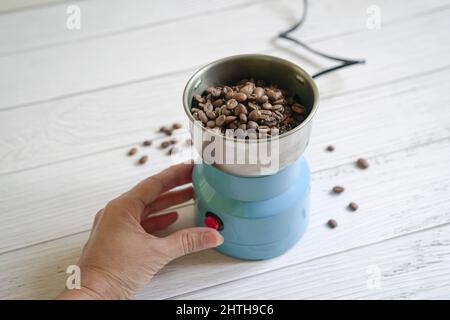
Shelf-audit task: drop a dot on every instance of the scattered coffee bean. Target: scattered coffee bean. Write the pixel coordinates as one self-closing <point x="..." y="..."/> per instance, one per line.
<point x="147" y="143"/>
<point x="173" y="141"/>
<point x="353" y="206"/>
<point x="177" y="125"/>
<point x="165" y="144"/>
<point x="362" y="163"/>
<point x="330" y="148"/>
<point x="132" y="151"/>
<point x="172" y="150"/>
<point x="143" y="159"/>
<point x="338" y="189"/>
<point x="332" y="223"/>
<point x="248" y="104"/>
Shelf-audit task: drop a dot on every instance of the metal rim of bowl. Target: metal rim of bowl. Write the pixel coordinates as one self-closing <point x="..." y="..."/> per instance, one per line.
<point x="205" y="68"/>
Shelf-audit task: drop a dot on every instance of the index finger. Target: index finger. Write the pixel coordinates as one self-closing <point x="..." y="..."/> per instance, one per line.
<point x="149" y="189"/>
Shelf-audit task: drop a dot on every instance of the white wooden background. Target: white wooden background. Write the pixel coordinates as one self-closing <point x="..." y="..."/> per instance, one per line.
<point x="73" y="102"/>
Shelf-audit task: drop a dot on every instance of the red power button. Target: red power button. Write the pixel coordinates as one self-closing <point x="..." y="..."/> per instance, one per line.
<point x="213" y="221"/>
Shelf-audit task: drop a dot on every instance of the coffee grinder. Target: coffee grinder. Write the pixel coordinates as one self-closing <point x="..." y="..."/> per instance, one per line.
<point x="261" y="209"/>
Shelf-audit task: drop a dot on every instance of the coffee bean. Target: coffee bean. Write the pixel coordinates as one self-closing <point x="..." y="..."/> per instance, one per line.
<point x="353" y="206"/>
<point x="165" y="144"/>
<point x="273" y="94"/>
<point x="215" y="92"/>
<point x="267" y="106"/>
<point x="330" y="148"/>
<point x="220" y="120"/>
<point x="252" y="125"/>
<point x="240" y="109"/>
<point x="254" y="115"/>
<point x="211" y="124"/>
<point x="338" y="189"/>
<point x="297" y="108"/>
<point x="230" y="119"/>
<point x="258" y="92"/>
<point x="231" y="104"/>
<point x="132" y="151"/>
<point x="332" y="223"/>
<point x="240" y="97"/>
<point x="218" y="103"/>
<point x="172" y="150"/>
<point x="247" y="89"/>
<point x="163" y="129"/>
<point x="211" y="115"/>
<point x="173" y="141"/>
<point x="147" y="143"/>
<point x="199" y="98"/>
<point x="243" y="118"/>
<point x="177" y="125"/>
<point x="142" y="159"/>
<point x="362" y="163"/>
<point x="262" y="99"/>
<point x="202" y="117"/>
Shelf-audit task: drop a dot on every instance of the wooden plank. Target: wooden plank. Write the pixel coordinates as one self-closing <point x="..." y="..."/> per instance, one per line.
<point x="389" y="212"/>
<point x="62" y="71"/>
<point x="68" y="193"/>
<point x="46" y="27"/>
<point x="121" y="116"/>
<point x="415" y="266"/>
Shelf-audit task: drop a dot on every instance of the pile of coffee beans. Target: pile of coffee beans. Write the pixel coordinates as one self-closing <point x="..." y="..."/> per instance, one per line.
<point x="249" y="104"/>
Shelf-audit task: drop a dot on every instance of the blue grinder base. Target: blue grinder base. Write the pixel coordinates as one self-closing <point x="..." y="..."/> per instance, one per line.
<point x="259" y="217"/>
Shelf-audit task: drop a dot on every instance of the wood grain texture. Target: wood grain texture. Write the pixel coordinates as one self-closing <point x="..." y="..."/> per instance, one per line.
<point x="72" y="105"/>
<point x="30" y="30"/>
<point x="99" y="121"/>
<point x="415" y="266"/>
<point x="68" y="193"/>
<point x="84" y="66"/>
<point x="406" y="203"/>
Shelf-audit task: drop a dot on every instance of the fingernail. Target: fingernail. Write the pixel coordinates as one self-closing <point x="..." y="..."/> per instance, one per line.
<point x="213" y="238"/>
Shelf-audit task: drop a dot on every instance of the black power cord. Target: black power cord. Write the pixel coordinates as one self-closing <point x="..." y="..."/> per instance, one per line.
<point x="344" y="61"/>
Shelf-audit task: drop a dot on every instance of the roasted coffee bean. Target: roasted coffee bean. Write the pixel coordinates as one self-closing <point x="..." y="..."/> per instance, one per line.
<point x="177" y="125"/>
<point x="208" y="107"/>
<point x="247" y="89"/>
<point x="273" y="94"/>
<point x="199" y="98"/>
<point x="215" y="92"/>
<point x="240" y="109"/>
<point x="229" y="95"/>
<point x="255" y="115"/>
<point x="243" y="126"/>
<point x="297" y="108"/>
<point x="252" y="125"/>
<point x="277" y="107"/>
<point x="332" y="223"/>
<point x="132" y="151"/>
<point x="330" y="148"/>
<point x="362" y="163"/>
<point x="231" y="104"/>
<point x="243" y="118"/>
<point x="230" y="119"/>
<point x="165" y="144"/>
<point x="262" y="99"/>
<point x="163" y="129"/>
<point x="240" y="97"/>
<point x="218" y="103"/>
<point x="147" y="143"/>
<point x="258" y="92"/>
<point x="173" y="141"/>
<point x="202" y="117"/>
<point x="252" y="106"/>
<point x="353" y="206"/>
<point x="338" y="189"/>
<point x="267" y="106"/>
<point x="142" y="159"/>
<point x="220" y="120"/>
<point x="172" y="150"/>
<point x="211" y="124"/>
<point x="211" y="115"/>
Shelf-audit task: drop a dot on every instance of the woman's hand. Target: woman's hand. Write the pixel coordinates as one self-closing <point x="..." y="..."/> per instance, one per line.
<point x="122" y="255"/>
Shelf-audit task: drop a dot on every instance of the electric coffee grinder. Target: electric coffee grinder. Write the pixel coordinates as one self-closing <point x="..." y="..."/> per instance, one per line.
<point x="261" y="210"/>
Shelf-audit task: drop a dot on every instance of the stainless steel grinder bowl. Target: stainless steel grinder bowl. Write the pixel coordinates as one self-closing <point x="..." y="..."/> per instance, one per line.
<point x="230" y="70"/>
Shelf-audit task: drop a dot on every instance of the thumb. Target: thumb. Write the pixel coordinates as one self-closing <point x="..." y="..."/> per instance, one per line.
<point x="190" y="240"/>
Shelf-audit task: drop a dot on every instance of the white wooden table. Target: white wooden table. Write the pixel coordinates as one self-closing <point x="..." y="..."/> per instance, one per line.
<point x="72" y="102"/>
